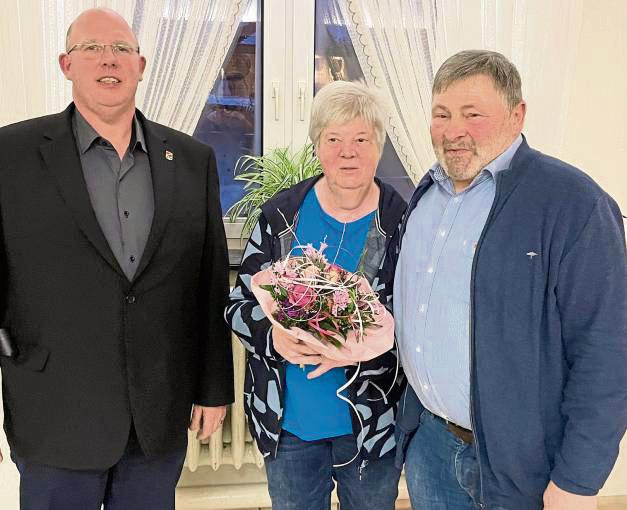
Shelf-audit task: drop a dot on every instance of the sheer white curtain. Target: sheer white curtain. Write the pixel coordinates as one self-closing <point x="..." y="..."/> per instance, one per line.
<point x="184" y="41"/>
<point x="401" y="44"/>
<point x="21" y="43"/>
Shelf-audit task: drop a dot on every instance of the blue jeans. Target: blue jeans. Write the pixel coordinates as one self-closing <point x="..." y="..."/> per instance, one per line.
<point x="302" y="474"/>
<point x="441" y="470"/>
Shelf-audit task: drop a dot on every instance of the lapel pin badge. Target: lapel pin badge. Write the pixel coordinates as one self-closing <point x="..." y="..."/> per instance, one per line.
<point x="169" y="155"/>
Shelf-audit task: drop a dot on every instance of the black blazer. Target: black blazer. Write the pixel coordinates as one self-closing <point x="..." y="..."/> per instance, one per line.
<point x="95" y="350"/>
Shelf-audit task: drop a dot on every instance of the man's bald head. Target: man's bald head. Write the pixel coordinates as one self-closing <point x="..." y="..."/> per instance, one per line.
<point x="99" y="13"/>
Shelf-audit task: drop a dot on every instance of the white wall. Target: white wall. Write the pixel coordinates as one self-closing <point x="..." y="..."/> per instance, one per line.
<point x="596" y="140"/>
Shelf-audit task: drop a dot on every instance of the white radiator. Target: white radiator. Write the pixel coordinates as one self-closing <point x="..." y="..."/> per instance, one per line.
<point x="231" y="444"/>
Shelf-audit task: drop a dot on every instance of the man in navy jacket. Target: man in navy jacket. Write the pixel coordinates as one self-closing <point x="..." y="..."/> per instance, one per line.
<point x="510" y="301"/>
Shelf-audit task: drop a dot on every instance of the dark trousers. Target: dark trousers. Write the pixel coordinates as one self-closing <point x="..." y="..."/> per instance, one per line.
<point x="135" y="482"/>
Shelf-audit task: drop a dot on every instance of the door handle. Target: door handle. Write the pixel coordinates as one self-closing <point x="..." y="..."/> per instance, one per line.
<point x="276" y="96"/>
<point x="301" y="99"/>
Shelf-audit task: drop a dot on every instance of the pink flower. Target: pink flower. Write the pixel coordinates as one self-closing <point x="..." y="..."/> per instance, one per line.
<point x="274" y="278"/>
<point x="311" y="272"/>
<point x="340" y="301"/>
<point x="334" y="273"/>
<point x="313" y="255"/>
<point x="301" y="295"/>
<point x="279" y="267"/>
<point x="310" y="251"/>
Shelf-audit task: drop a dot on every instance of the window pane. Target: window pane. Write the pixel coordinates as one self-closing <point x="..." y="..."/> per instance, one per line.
<point x="336" y="60"/>
<point x="231" y="119"/>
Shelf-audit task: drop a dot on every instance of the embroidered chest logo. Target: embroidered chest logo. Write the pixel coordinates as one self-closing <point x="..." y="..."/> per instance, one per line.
<point x="531" y="254"/>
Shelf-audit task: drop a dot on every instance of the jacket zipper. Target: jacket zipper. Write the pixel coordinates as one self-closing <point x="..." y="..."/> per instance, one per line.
<point x="282" y="404"/>
<point x="472" y="421"/>
<point x="280" y="365"/>
<point x="352" y="396"/>
<point x="472" y="336"/>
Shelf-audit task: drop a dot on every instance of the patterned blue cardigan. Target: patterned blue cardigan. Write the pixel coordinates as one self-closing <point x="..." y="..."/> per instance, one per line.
<point x="377" y="388"/>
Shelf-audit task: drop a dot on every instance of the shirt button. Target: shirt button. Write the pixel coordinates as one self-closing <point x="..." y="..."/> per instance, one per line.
<point x="130" y="299"/>
<point x="442" y="233"/>
<point x="422" y="308"/>
<point x="425" y="386"/>
<point x="418" y="349"/>
<point x="126" y="214"/>
<point x="430" y="270"/>
<point x="456" y="199"/>
<point x="132" y="258"/>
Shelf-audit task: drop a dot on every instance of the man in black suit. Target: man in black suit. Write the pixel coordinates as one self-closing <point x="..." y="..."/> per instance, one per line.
<point x="113" y="280"/>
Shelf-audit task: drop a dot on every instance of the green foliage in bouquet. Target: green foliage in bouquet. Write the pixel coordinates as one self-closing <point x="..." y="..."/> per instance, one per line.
<point x="266" y="175"/>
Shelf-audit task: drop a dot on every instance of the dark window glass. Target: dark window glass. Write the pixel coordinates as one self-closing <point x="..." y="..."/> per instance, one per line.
<point x="231" y="119"/>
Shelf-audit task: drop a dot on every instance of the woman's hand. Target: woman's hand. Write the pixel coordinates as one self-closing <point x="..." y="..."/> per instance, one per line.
<point x="327" y="364"/>
<point x="293" y="350"/>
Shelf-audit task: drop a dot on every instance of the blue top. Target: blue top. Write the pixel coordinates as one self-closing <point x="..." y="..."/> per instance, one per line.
<point x="312" y="409"/>
<point x="432" y="288"/>
<point x="548" y="323"/>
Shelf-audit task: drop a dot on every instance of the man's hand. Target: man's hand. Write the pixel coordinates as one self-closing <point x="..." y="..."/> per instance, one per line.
<point x="558" y="499"/>
<point x="293" y="350"/>
<point x="206" y="420"/>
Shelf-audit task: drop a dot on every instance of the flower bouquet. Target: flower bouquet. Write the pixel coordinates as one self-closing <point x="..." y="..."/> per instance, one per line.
<point x="332" y="310"/>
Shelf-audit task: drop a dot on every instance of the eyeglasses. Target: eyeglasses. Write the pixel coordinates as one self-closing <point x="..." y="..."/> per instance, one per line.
<point x="97" y="49"/>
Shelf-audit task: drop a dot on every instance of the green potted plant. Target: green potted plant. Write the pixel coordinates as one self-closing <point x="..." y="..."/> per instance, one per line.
<point x="266" y="175"/>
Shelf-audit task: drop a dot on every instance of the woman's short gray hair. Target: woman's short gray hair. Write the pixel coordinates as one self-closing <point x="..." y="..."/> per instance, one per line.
<point x="340" y="102"/>
<point x="468" y="63"/>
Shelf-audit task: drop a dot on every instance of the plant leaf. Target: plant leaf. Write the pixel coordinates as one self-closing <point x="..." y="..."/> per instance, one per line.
<point x="265" y="176"/>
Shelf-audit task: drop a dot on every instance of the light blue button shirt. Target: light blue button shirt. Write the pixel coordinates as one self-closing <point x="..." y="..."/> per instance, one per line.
<point x="432" y="288"/>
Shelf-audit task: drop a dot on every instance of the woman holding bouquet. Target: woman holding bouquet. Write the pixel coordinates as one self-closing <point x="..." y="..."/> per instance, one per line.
<point x="308" y="435"/>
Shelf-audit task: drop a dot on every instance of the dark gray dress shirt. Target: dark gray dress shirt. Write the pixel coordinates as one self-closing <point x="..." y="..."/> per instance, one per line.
<point x="120" y="190"/>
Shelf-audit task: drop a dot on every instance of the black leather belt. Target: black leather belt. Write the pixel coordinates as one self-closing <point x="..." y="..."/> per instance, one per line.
<point x="459" y="432"/>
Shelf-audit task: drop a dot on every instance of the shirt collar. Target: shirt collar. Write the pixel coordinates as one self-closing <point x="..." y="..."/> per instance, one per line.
<point x="498" y="164"/>
<point x="87" y="135"/>
<point x="502" y="162"/>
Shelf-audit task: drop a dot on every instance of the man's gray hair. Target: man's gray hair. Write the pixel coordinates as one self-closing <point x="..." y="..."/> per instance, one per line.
<point x="341" y="102"/>
<point x="466" y="64"/>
